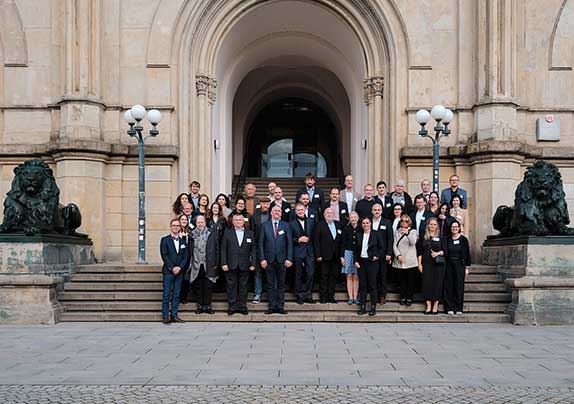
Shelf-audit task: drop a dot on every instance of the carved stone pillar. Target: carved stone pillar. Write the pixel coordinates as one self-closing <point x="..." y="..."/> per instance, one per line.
<point x="201" y="146"/>
<point x="377" y="144"/>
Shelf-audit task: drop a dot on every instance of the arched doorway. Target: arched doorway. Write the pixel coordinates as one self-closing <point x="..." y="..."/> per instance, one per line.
<point x="291" y="137"/>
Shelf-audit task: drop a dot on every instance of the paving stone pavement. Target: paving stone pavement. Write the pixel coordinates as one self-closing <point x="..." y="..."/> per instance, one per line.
<point x="257" y="362"/>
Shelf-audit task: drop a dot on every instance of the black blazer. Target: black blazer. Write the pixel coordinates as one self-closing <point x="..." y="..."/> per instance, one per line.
<point x="218" y="227"/>
<point x="423" y="225"/>
<point x="317" y="201"/>
<point x="286" y="210"/>
<point x="375" y="247"/>
<point x="256" y="221"/>
<point x="172" y="258"/>
<point x="301" y="251"/>
<point x="323" y="244"/>
<point x="387" y="205"/>
<point x="343" y="211"/>
<point x="385" y="230"/>
<point x="238" y="256"/>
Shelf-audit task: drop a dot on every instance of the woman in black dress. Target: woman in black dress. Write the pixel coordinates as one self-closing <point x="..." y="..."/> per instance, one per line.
<point x="431" y="252"/>
<point x="444" y="219"/>
<point x="217" y="223"/>
<point x="457" y="267"/>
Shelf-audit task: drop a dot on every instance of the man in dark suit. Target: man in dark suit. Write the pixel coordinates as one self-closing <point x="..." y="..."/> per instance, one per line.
<point x="261" y="215"/>
<point x="310" y="212"/>
<point x="401" y="196"/>
<point x="175" y="256"/>
<point x="365" y="206"/>
<point x="285" y="206"/>
<point x="384" y="228"/>
<point x="315" y="194"/>
<point x="339" y="207"/>
<point x="421" y="215"/>
<point x="275" y="254"/>
<point x="425" y="190"/>
<point x="384" y="199"/>
<point x="237" y="259"/>
<point x="302" y="233"/>
<point x="327" y="248"/>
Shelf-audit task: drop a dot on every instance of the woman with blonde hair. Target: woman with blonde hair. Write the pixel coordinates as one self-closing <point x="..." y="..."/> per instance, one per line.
<point x="431" y="252"/>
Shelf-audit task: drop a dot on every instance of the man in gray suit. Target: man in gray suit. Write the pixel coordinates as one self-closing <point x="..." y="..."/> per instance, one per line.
<point x="348" y="194"/>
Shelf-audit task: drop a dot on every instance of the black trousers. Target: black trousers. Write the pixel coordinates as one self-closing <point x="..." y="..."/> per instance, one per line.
<point x="202" y="288"/>
<point x="237" y="280"/>
<point x="185" y="288"/>
<point x="329" y="272"/>
<point x="275" y="285"/>
<point x="407" y="282"/>
<point x="382" y="287"/>
<point x="454" y="285"/>
<point x="304" y="265"/>
<point x="368" y="280"/>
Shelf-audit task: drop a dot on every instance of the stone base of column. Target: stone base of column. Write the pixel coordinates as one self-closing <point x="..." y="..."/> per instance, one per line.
<point x="30" y="299"/>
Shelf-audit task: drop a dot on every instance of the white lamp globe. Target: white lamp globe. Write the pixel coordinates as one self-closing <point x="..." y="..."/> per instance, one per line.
<point x="154" y="116"/>
<point x="138" y="112"/>
<point x="448" y="116"/>
<point x="422" y="116"/>
<point x="438" y="112"/>
<point x="128" y="117"/>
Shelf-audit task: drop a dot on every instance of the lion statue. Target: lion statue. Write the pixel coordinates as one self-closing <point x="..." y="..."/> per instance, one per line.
<point x="32" y="204"/>
<point x="539" y="205"/>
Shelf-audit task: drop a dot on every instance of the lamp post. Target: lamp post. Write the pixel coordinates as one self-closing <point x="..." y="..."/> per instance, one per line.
<point x="443" y="117"/>
<point x="133" y="118"/>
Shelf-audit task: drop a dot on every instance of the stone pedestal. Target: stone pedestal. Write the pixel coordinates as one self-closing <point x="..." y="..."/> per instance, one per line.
<point x="29" y="299"/>
<point x="540" y="272"/>
<point x="46" y="254"/>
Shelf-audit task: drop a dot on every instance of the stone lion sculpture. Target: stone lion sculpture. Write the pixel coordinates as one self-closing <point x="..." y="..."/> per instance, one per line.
<point x="32" y="204"/>
<point x="539" y="205"/>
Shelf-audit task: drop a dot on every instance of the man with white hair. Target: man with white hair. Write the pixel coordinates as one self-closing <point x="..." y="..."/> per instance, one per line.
<point x="401" y="196"/>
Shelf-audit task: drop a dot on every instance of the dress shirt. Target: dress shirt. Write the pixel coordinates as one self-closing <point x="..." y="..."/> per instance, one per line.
<point x="333" y="229"/>
<point x="365" y="245"/>
<point x="396" y="223"/>
<point x="195" y="201"/>
<point x="350" y="196"/>
<point x="176" y="243"/>
<point x="239" y="233"/>
<point x="376" y="224"/>
<point x="302" y="222"/>
<point x="311" y="192"/>
<point x="335" y="208"/>
<point x="419" y="218"/>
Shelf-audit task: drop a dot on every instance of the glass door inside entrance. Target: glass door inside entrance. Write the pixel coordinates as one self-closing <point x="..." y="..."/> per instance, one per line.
<point x="282" y="160"/>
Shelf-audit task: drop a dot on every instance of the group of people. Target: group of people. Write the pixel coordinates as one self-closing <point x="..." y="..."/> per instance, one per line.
<point x="363" y="237"/>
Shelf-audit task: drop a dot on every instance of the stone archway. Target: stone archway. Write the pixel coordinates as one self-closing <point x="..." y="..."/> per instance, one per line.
<point x="218" y="44"/>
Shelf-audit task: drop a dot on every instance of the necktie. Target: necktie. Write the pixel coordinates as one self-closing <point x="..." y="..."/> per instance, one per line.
<point x="275" y="229"/>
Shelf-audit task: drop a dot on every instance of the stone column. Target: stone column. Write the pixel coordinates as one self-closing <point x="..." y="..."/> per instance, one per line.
<point x="378" y="165"/>
<point x="201" y="144"/>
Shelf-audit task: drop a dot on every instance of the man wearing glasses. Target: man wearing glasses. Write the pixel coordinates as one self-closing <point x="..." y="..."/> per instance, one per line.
<point x="175" y="257"/>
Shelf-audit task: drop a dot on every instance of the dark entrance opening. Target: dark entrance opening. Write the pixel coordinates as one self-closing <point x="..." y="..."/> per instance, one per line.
<point x="291" y="137"/>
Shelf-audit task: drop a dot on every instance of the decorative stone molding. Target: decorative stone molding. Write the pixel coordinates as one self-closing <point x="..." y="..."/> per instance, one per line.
<point x="373" y="87"/>
<point x="206" y="86"/>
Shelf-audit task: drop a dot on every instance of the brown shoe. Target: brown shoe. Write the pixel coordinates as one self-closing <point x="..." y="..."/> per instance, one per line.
<point x="177" y="319"/>
<point x="383" y="300"/>
<point x="166" y="320"/>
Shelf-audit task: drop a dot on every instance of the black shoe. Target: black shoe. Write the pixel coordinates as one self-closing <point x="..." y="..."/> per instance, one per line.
<point x="310" y="300"/>
<point x="208" y="310"/>
<point x="244" y="312"/>
<point x="199" y="310"/>
<point x="299" y="300"/>
<point x="269" y="311"/>
<point x="362" y="310"/>
<point x="427" y="312"/>
<point x="373" y="310"/>
<point x="280" y="311"/>
<point x="408" y="302"/>
<point x="323" y="301"/>
<point x="231" y="312"/>
<point x="403" y="302"/>
<point x="333" y="300"/>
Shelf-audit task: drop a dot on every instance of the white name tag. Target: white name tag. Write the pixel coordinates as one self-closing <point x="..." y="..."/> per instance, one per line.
<point x="281" y="232"/>
<point x="182" y="246"/>
<point x="339" y="231"/>
<point x="460" y="196"/>
<point x="436" y="239"/>
<point x="383" y="228"/>
<point x="312" y="216"/>
<point x="257" y="206"/>
<point x="315" y="196"/>
<point x="245" y="219"/>
<point x="287" y="210"/>
<point x="388" y="205"/>
<point x="191" y="226"/>
<point x="456" y="242"/>
<point x="355" y="199"/>
<point x="249" y="240"/>
<point x="343" y="211"/>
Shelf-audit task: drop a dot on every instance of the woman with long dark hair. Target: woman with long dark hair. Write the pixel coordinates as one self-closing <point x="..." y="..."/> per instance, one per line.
<point x="181" y="200"/>
<point x="457" y="267"/>
<point x="225" y="203"/>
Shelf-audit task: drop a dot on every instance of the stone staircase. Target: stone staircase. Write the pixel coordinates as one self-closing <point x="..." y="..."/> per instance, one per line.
<point x="289" y="185"/>
<point x="130" y="292"/>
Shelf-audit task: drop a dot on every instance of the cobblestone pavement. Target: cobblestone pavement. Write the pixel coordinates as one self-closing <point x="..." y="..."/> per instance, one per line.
<point x="281" y="394"/>
<point x="243" y="362"/>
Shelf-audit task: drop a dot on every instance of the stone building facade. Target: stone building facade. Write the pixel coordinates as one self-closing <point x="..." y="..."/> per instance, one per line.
<point x="72" y="67"/>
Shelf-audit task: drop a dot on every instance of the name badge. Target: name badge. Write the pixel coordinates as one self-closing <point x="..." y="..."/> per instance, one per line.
<point x="312" y="216"/>
<point x="287" y="210"/>
<point x="343" y="211"/>
<point x="388" y="205"/>
<point x="435" y="239"/>
<point x="460" y="196"/>
<point x="182" y="246"/>
<point x="245" y="219"/>
<point x="355" y="199"/>
<point x="248" y="240"/>
<point x="257" y="206"/>
<point x="191" y="226"/>
<point x="456" y="242"/>
<point x="339" y="231"/>
<point x="383" y="228"/>
<point x="315" y="196"/>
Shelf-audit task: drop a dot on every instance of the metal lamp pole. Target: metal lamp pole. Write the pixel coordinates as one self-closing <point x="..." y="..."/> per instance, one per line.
<point x="443" y="117"/>
<point x="134" y="117"/>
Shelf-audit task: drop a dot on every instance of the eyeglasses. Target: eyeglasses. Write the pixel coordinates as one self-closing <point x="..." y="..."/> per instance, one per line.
<point x="175" y="225"/>
<point x="404" y="221"/>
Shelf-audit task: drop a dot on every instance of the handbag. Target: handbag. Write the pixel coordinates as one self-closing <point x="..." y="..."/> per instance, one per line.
<point x="439" y="259"/>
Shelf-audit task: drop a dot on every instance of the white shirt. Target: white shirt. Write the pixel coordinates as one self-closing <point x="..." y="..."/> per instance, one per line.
<point x="302" y="222"/>
<point x="376" y="224"/>
<point x="396" y="223"/>
<point x="419" y="218"/>
<point x="176" y="244"/>
<point x="349" y="197"/>
<point x="365" y="246"/>
<point x="239" y="234"/>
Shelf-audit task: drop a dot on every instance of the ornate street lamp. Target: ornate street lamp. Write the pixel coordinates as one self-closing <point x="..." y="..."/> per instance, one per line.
<point x="134" y="117"/>
<point x="443" y="117"/>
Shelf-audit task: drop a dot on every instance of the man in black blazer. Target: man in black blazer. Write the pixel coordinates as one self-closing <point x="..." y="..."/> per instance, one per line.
<point x="276" y="254"/>
<point x="384" y="228"/>
<point x="338" y="206"/>
<point x="302" y="233"/>
<point x="175" y="256"/>
<point x="402" y="196"/>
<point x="261" y="215"/>
<point x="316" y="194"/>
<point x="384" y="199"/>
<point x="327" y="248"/>
<point x="421" y="215"/>
<point x="285" y="206"/>
<point x="310" y="212"/>
<point x="237" y="259"/>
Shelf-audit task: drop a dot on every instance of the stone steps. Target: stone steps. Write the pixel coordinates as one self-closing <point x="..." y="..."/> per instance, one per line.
<point x="290" y="186"/>
<point x="315" y="316"/>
